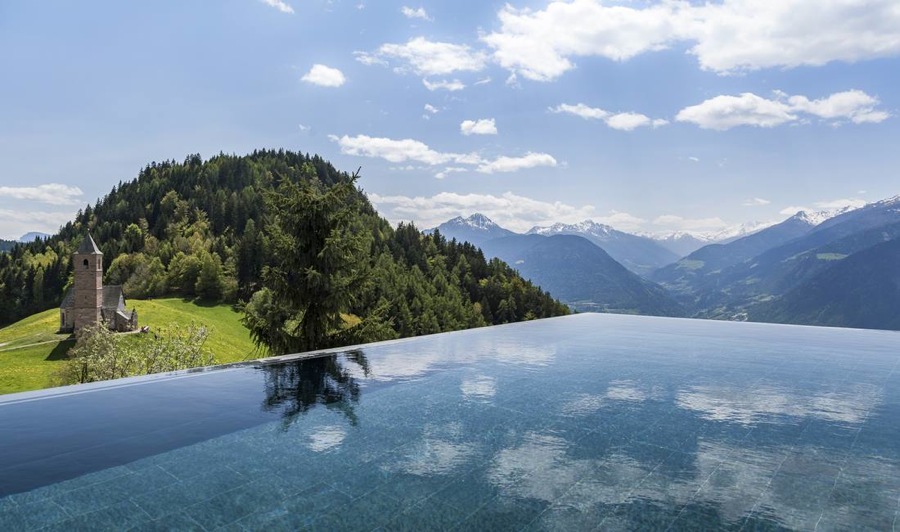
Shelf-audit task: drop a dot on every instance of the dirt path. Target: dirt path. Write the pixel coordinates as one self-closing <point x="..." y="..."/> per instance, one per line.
<point x="29" y="345"/>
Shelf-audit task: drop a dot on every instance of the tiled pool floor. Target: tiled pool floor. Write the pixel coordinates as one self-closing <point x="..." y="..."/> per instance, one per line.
<point x="592" y="422"/>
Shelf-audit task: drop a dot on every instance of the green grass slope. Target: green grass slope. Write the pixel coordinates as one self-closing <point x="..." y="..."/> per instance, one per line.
<point x="31" y="349"/>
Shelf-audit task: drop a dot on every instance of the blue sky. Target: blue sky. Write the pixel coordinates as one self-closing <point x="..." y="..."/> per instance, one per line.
<point x="649" y="116"/>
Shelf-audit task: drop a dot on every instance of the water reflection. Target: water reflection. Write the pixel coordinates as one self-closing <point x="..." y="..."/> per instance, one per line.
<point x="773" y="403"/>
<point x="479" y="388"/>
<point x="295" y="387"/>
<point x="442" y="450"/>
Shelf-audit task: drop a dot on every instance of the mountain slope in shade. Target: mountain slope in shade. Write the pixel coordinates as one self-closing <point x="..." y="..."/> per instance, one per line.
<point x="580" y="273"/>
<point x="475" y="229"/>
<point x="861" y="290"/>
<point x="639" y="254"/>
<point x="690" y="273"/>
<point x="780" y="269"/>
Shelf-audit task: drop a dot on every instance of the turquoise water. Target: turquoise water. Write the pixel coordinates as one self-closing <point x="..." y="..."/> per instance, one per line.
<point x="580" y="423"/>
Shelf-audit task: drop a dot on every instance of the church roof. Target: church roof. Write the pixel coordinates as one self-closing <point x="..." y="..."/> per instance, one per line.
<point x="113" y="298"/>
<point x="88" y="246"/>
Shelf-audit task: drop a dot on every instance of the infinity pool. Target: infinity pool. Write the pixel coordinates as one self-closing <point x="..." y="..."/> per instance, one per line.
<point x="592" y="421"/>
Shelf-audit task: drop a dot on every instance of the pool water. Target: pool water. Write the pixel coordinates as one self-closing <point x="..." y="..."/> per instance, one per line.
<point x="588" y="422"/>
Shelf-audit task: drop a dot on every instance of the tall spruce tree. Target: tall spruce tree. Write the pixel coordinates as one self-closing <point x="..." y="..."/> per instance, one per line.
<point x="320" y="266"/>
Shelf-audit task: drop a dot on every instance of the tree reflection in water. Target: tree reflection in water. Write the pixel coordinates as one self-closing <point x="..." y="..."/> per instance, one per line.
<point x="296" y="387"/>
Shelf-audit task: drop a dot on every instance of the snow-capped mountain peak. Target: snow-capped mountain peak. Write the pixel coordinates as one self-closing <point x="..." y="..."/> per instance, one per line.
<point x="475" y="221"/>
<point x="587" y="227"/>
<point x="817" y="217"/>
<point x="476" y="228"/>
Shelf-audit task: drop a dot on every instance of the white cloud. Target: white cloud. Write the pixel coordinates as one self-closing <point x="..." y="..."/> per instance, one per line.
<point x="628" y="121"/>
<point x="749" y="35"/>
<point x="515" y="212"/>
<point x="854" y="105"/>
<point x="419" y="12"/>
<point x="484" y="126"/>
<point x="15" y="223"/>
<point x="621" y="121"/>
<point x="52" y="193"/>
<point x="369" y="59"/>
<point x="447" y="85"/>
<point x="748" y="109"/>
<point x="725" y="112"/>
<point x="431" y="109"/>
<point x="324" y="76"/>
<point x="582" y="110"/>
<point x="852" y="203"/>
<point x="513" y="164"/>
<point x="410" y="150"/>
<point x="450" y="170"/>
<point x="839" y="204"/>
<point x="303" y="127"/>
<point x="428" y="58"/>
<point x="398" y="151"/>
<point x="756" y="202"/>
<point x="483" y="81"/>
<point x="725" y="37"/>
<point x="279" y="5"/>
<point x="538" y="45"/>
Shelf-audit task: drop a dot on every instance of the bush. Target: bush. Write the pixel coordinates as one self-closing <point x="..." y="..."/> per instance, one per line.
<point x="100" y="354"/>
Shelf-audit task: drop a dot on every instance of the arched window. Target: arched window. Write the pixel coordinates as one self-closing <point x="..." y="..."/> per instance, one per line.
<point x="86" y="264"/>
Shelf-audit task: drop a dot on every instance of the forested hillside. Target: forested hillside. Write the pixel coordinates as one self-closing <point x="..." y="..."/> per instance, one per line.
<point x="203" y="229"/>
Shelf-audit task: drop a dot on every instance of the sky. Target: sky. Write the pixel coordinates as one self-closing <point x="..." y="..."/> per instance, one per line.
<point x="648" y="116"/>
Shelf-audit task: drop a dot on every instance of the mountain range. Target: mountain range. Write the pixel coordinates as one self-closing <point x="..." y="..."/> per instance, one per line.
<point x="834" y="267"/>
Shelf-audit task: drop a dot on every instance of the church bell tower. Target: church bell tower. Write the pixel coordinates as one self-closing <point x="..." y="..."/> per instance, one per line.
<point x="88" y="284"/>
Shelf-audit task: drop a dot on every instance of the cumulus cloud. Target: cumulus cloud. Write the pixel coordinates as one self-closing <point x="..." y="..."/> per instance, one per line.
<point x="853" y="105"/>
<point x="419" y="12"/>
<point x="427" y="58"/>
<point x="324" y="76"/>
<point x="621" y="121"/>
<point x="52" y="193"/>
<point x="447" y="85"/>
<point x="399" y="150"/>
<point x="515" y="212"/>
<point x="410" y="150"/>
<point x="756" y="202"/>
<point x="431" y="109"/>
<point x="484" y="126"/>
<point x="279" y="5"/>
<point x="725" y="112"/>
<point x="505" y="164"/>
<point x="541" y="45"/>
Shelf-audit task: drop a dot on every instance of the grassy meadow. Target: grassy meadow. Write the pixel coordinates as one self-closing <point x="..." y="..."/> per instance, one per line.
<point x="31" y="349"/>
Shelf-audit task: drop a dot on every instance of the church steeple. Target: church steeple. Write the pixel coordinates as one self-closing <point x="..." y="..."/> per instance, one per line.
<point x="88" y="285"/>
<point x="88" y="246"/>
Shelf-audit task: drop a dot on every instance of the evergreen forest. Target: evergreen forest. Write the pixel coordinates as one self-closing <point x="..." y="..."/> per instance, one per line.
<point x="245" y="229"/>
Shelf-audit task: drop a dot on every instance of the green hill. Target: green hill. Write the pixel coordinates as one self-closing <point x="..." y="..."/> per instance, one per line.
<point x="31" y="349"/>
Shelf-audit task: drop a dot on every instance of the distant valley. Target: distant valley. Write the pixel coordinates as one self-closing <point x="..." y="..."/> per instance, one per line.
<point x="838" y="268"/>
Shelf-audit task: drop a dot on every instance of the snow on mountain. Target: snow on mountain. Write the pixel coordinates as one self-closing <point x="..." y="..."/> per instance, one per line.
<point x="476" y="229"/>
<point x="815" y="218"/>
<point x="587" y="228"/>
<point x="639" y="254"/>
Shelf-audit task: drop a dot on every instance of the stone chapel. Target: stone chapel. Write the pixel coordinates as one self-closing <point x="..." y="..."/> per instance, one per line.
<point x="89" y="302"/>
